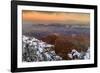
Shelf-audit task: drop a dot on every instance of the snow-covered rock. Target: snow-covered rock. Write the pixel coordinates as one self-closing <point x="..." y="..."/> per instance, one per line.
<point x="87" y="54"/>
<point x="74" y="54"/>
<point x="37" y="50"/>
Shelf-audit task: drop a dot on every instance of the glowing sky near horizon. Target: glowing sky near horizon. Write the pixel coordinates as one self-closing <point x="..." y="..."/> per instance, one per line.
<point x="56" y="17"/>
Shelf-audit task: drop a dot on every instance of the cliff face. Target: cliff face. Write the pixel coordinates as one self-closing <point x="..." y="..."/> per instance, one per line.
<point x="55" y="47"/>
<point x="65" y="44"/>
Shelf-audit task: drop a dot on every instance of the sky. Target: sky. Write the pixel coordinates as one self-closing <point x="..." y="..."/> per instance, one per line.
<point x="55" y="17"/>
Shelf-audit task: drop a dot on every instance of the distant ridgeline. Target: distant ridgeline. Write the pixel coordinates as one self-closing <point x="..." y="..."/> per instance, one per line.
<point x="41" y="30"/>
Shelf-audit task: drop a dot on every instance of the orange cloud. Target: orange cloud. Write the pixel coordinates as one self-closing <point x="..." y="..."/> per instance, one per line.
<point x="56" y="17"/>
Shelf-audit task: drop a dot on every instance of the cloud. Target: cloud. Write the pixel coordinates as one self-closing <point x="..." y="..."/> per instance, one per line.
<point x="56" y="17"/>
